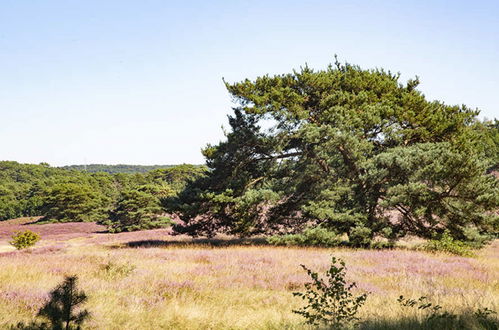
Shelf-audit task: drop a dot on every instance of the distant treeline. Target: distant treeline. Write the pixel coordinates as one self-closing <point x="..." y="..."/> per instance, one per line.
<point x="112" y="169"/>
<point x="123" y="201"/>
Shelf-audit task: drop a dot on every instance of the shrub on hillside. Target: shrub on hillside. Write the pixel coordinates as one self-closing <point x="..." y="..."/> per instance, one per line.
<point x="24" y="239"/>
<point x="309" y="237"/>
<point x="330" y="301"/>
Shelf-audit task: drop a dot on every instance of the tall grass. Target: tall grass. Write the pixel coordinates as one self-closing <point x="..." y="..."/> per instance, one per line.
<point x="180" y="286"/>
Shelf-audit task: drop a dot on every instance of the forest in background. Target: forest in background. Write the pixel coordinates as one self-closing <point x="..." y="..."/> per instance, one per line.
<point x="119" y="168"/>
<point x="123" y="201"/>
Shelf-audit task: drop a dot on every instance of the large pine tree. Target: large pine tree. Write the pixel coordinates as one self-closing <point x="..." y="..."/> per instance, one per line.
<point x="346" y="148"/>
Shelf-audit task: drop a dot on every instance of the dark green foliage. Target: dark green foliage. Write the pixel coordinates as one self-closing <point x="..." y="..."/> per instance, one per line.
<point x="24" y="239"/>
<point x="445" y="243"/>
<point x="349" y="149"/>
<point x="330" y="301"/>
<point x="113" y="270"/>
<point x="138" y="209"/>
<point x="9" y="206"/>
<point x="360" y="237"/>
<point x="25" y="189"/>
<point x="323" y="237"/>
<point x="19" y="187"/>
<point x="63" y="310"/>
<point x="435" y="187"/>
<point x="309" y="237"/>
<point x="177" y="176"/>
<point x="61" y="195"/>
<point x="489" y="142"/>
<point x="72" y="202"/>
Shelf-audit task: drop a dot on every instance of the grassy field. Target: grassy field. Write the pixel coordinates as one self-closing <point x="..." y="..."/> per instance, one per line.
<point x="151" y="280"/>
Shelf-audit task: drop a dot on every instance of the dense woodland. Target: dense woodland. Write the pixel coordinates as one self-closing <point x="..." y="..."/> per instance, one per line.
<point x="122" y="201"/>
<point x="112" y="169"/>
<point x="344" y="152"/>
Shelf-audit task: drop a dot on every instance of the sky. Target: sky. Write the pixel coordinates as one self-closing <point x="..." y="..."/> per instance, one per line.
<point x="140" y="82"/>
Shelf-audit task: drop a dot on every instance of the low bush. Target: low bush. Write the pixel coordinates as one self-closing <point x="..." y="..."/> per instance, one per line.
<point x="330" y="301"/>
<point x="309" y="237"/>
<point x="322" y="237"/>
<point x="24" y="239"/>
<point x="449" y="245"/>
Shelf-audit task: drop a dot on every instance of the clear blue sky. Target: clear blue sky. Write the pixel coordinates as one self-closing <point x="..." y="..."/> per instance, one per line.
<point x="140" y="82"/>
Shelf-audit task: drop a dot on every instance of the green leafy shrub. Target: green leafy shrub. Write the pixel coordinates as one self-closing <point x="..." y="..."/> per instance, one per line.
<point x="24" y="239"/>
<point x="309" y="237"/>
<point x="330" y="301"/>
<point x="449" y="245"/>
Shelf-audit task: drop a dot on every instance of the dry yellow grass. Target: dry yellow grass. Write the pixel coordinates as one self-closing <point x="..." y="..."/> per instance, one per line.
<point x="175" y="286"/>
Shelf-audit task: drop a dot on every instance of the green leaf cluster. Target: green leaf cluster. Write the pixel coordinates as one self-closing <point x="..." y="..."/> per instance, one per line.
<point x="330" y="301"/>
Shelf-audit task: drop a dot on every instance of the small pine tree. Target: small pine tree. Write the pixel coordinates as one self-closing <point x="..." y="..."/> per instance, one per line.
<point x="24" y="239"/>
<point x="60" y="310"/>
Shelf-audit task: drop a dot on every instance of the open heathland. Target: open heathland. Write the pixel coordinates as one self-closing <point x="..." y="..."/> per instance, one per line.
<point x="152" y="280"/>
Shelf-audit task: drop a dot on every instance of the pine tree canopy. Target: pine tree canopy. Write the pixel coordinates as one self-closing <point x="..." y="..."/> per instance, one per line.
<point x="344" y="148"/>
